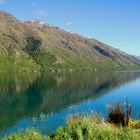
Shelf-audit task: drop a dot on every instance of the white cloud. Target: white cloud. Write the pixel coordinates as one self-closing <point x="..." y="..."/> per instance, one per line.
<point x="69" y="23"/>
<point x="2" y="1"/>
<point x="41" y="13"/>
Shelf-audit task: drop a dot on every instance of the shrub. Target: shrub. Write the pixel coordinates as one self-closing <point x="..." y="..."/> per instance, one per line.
<point x="134" y="124"/>
<point x="119" y="116"/>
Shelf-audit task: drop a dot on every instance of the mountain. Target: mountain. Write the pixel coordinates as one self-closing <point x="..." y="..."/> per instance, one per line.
<point x="137" y="57"/>
<point x="36" y="45"/>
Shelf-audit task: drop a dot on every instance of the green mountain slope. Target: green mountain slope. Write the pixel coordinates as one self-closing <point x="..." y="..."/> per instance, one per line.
<point x="34" y="45"/>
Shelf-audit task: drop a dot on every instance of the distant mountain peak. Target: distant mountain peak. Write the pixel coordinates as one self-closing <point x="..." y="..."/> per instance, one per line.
<point x="6" y="17"/>
<point x="137" y="57"/>
<point x="35" y="22"/>
<point x="39" y="23"/>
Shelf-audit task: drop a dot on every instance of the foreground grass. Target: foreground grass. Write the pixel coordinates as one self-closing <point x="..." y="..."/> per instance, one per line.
<point x="81" y="128"/>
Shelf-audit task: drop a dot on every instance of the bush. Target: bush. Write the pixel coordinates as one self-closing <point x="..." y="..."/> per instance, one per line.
<point x="119" y="116"/>
<point x="89" y="128"/>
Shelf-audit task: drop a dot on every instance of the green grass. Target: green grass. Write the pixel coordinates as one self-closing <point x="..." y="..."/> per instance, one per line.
<point x="27" y="135"/>
<point x="54" y="60"/>
<point x="81" y="128"/>
<point x="20" y="64"/>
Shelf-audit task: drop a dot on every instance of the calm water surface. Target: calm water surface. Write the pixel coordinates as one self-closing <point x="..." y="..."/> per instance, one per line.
<point x="44" y="100"/>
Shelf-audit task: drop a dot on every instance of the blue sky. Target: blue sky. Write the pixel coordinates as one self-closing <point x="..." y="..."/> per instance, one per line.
<point x="115" y="22"/>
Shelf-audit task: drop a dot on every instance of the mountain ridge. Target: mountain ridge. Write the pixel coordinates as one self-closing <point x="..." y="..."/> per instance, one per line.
<point x="38" y="45"/>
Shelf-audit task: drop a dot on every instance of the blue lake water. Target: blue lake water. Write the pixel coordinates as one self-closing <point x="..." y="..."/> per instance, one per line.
<point x="45" y="100"/>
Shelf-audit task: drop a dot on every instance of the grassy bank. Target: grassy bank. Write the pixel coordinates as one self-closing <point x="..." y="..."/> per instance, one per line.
<point x="82" y="128"/>
<point x="118" y="126"/>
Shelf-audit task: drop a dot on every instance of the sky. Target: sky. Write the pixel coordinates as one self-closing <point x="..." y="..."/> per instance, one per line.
<point x="114" y="22"/>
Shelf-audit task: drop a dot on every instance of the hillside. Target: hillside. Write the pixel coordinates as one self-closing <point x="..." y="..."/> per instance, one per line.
<point x="35" y="45"/>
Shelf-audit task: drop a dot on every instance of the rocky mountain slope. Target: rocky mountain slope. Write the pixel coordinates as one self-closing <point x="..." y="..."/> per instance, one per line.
<point x="34" y="45"/>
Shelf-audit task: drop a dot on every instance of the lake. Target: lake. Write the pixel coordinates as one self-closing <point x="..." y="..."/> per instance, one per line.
<point x="45" y="100"/>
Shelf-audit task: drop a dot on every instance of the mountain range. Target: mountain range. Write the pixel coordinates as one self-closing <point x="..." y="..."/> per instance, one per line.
<point x="34" y="45"/>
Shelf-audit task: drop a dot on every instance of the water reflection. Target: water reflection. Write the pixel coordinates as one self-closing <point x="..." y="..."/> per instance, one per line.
<point x="36" y="95"/>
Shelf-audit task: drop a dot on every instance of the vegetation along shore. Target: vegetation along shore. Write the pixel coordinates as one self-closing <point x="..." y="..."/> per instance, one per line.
<point x="118" y="126"/>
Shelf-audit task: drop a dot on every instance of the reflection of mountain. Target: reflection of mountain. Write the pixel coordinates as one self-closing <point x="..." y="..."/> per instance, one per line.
<point x="48" y="93"/>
